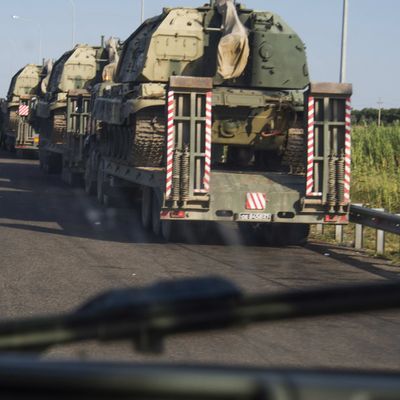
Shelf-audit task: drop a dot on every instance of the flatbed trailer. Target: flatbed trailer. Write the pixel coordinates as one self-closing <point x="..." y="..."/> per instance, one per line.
<point x="189" y="187"/>
<point x="19" y="135"/>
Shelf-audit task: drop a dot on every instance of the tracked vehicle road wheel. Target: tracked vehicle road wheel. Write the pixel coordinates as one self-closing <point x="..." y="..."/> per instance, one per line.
<point x="146" y="207"/>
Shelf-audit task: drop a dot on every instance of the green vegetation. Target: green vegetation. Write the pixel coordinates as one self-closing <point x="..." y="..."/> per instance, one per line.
<point x="370" y="115"/>
<point x="376" y="162"/>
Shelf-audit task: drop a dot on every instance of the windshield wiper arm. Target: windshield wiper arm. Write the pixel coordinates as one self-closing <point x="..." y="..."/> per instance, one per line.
<point x="147" y="315"/>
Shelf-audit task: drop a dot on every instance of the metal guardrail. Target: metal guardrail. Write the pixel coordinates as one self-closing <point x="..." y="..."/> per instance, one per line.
<point x="375" y="218"/>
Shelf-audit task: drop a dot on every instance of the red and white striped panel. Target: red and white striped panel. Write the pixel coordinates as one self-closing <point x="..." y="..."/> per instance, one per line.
<point x="23" y="110"/>
<point x="170" y="142"/>
<point x="310" y="147"/>
<point x="347" y="150"/>
<point x="256" y="201"/>
<point x="208" y="135"/>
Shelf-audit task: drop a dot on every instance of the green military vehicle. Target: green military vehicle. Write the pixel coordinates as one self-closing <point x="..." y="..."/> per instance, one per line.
<point x="62" y="112"/>
<point x="18" y="134"/>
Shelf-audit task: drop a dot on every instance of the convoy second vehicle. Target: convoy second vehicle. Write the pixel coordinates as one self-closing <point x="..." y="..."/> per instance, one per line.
<point x="62" y="112"/>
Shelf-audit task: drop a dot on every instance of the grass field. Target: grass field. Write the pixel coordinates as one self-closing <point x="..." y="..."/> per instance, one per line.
<point x="375" y="164"/>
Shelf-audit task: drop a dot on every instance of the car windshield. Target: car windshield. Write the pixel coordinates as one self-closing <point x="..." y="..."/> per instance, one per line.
<point x="202" y="143"/>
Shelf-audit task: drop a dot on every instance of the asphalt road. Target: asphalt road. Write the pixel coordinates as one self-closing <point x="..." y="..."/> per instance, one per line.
<point x="58" y="247"/>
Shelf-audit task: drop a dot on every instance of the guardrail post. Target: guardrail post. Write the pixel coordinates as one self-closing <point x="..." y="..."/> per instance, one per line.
<point x="320" y="229"/>
<point x="359" y="237"/>
<point x="339" y="233"/>
<point x="380" y="238"/>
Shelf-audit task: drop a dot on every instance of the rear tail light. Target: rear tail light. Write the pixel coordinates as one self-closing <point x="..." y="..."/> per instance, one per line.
<point x="177" y="214"/>
<point x="337" y="218"/>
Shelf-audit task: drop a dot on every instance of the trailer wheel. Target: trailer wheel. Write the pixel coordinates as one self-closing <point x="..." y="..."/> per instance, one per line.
<point x="174" y="231"/>
<point x="52" y="163"/>
<point x="41" y="159"/>
<point x="100" y="182"/>
<point x="288" y="234"/>
<point x="275" y="234"/>
<point x="70" y="177"/>
<point x="89" y="180"/>
<point x="297" y="234"/>
<point x="146" y="207"/>
<point x="155" y="214"/>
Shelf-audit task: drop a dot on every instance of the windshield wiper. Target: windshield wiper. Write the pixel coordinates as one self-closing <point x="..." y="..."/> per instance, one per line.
<point x="147" y="315"/>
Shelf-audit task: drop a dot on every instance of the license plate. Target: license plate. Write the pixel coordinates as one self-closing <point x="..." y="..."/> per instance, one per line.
<point x="255" y="217"/>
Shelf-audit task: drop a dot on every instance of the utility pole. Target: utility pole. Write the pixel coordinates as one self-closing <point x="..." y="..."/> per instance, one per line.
<point x="343" y="60"/>
<point x="142" y="11"/>
<point x="380" y="104"/>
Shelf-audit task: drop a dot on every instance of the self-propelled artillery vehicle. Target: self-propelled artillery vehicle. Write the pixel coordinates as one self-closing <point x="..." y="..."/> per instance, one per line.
<point x="212" y="117"/>
<point x="18" y="134"/>
<point x="62" y="112"/>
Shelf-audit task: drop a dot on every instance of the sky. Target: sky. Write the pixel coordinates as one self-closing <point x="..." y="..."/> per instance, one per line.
<point x="373" y="38"/>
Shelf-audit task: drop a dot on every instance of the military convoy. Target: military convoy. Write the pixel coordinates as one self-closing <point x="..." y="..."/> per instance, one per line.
<point x="205" y="115"/>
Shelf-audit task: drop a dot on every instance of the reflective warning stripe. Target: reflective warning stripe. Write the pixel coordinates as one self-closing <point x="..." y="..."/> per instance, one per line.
<point x="170" y="143"/>
<point x="347" y="149"/>
<point x="23" y="110"/>
<point x="310" y="147"/>
<point x="256" y="201"/>
<point x="208" y="134"/>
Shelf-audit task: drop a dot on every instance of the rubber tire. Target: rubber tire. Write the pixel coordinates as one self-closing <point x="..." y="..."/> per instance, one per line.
<point x="274" y="234"/>
<point x="173" y="231"/>
<point x="155" y="214"/>
<point x="53" y="164"/>
<point x="251" y="233"/>
<point x="100" y="183"/>
<point x="146" y="207"/>
<point x="288" y="234"/>
<point x="90" y="184"/>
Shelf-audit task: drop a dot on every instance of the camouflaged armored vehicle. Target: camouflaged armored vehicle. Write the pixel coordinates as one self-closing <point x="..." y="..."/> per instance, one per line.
<point x="62" y="112"/>
<point x="18" y="134"/>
